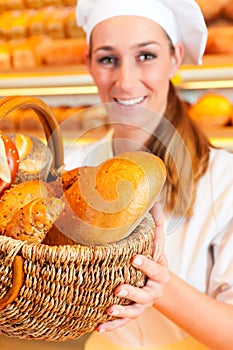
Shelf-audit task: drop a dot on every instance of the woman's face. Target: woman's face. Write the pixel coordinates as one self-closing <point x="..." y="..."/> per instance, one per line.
<point x="131" y="63"/>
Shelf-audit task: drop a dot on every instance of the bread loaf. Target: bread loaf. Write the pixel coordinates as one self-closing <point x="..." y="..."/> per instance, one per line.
<point x="17" y="197"/>
<point x="32" y="222"/>
<point x="107" y="202"/>
<point x="35" y="158"/>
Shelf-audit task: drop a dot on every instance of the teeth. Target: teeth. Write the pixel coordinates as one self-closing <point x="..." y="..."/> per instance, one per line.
<point x="130" y="102"/>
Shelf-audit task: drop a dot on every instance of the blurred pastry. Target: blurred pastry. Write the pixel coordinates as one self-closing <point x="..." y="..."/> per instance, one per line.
<point x="220" y="40"/>
<point x="18" y="25"/>
<point x="212" y="110"/>
<point x="64" y="51"/>
<point x="14" y="4"/>
<point x="34" y="4"/>
<point x="5" y="57"/>
<point x="228" y="10"/>
<point x="23" y="56"/>
<point x="36" y="20"/>
<point x="212" y="9"/>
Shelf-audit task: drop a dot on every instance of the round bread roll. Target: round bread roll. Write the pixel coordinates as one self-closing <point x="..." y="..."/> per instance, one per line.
<point x="35" y="158"/>
<point x="212" y="110"/>
<point x="220" y="40"/>
<point x="108" y="201"/>
<point x="212" y="9"/>
<point x="228" y="10"/>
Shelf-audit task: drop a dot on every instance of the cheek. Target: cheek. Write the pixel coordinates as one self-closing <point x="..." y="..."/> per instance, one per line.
<point x="102" y="80"/>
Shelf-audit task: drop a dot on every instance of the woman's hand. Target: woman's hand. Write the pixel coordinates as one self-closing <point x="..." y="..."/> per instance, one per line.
<point x="157" y="273"/>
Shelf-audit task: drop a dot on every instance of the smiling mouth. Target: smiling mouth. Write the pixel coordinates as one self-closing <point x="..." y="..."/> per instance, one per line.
<point x="130" y="102"/>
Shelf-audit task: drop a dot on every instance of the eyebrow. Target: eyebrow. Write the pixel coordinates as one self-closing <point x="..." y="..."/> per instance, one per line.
<point x="147" y="43"/>
<point x="140" y="45"/>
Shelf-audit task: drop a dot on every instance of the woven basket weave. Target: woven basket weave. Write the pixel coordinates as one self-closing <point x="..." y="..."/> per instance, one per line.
<point x="64" y="290"/>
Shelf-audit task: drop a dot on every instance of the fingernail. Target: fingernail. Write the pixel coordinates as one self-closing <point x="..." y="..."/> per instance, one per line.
<point x="122" y="293"/>
<point x="114" y="312"/>
<point x="101" y="330"/>
<point x="137" y="261"/>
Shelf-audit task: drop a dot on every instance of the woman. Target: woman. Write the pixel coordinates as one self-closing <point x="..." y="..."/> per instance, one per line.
<point x="135" y="48"/>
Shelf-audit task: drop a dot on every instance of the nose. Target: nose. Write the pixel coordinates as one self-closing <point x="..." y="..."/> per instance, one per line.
<point x="126" y="76"/>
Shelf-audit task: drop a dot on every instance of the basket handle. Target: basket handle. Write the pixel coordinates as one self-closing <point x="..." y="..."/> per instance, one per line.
<point x="17" y="282"/>
<point x="47" y="119"/>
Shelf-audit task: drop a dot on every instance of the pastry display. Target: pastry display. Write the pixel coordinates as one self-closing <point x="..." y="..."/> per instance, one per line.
<point x="219" y="18"/>
<point x="39" y="34"/>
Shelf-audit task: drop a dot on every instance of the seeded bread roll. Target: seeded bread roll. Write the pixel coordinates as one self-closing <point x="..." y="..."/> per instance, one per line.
<point x="32" y="222"/>
<point x="17" y="197"/>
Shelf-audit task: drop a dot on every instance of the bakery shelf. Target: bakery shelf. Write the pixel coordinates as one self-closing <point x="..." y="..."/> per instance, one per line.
<point x="56" y="85"/>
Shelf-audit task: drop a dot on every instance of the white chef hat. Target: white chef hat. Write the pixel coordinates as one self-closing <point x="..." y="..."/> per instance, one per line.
<point x="182" y="20"/>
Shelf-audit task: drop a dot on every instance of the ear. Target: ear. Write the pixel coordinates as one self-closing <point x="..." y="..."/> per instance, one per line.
<point x="176" y="59"/>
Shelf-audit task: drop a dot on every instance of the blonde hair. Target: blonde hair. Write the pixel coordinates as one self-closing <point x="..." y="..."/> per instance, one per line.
<point x="185" y="151"/>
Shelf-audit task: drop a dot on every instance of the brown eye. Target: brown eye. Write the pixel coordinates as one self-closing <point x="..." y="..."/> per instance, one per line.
<point x="146" y="57"/>
<point x="108" y="60"/>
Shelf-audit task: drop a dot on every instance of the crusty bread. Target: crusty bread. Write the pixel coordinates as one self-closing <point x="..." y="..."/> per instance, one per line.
<point x="36" y="162"/>
<point x="32" y="222"/>
<point x="108" y="201"/>
<point x="56" y="237"/>
<point x="17" y="197"/>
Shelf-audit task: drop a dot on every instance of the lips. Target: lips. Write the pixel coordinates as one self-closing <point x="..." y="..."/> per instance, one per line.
<point x="130" y="102"/>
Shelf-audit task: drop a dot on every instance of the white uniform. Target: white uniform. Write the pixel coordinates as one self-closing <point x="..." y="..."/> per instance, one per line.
<point x="200" y="251"/>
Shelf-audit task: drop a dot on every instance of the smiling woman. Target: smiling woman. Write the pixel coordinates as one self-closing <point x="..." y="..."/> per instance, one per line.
<point x="133" y="70"/>
<point x="135" y="48"/>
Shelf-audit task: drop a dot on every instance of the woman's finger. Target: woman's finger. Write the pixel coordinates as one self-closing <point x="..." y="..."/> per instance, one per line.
<point x="152" y="269"/>
<point x="111" y="325"/>
<point x="130" y="311"/>
<point x="144" y="296"/>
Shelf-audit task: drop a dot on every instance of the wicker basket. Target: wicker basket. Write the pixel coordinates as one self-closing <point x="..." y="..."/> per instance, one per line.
<point x="59" y="293"/>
